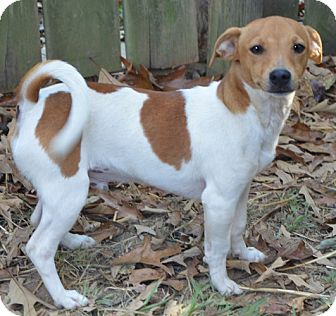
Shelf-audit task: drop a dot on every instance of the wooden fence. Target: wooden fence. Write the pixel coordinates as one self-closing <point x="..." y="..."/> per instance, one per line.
<point x="159" y="34"/>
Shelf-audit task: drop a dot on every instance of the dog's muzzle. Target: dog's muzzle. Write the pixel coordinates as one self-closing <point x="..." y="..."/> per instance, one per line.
<point x="280" y="81"/>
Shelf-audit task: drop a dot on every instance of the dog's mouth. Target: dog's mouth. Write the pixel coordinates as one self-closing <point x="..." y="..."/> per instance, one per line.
<point x="281" y="92"/>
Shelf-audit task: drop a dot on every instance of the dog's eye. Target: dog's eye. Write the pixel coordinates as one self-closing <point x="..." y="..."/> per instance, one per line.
<point x="257" y="49"/>
<point x="298" y="48"/>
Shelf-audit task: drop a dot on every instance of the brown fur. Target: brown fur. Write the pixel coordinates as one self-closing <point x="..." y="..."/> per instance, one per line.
<point x="56" y="111"/>
<point x="165" y="125"/>
<point x="277" y="35"/>
<point x="103" y="87"/>
<point x="34" y="88"/>
<point x="232" y="93"/>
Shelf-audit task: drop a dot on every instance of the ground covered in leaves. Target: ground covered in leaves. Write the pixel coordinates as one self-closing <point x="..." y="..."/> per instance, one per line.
<point x="148" y="260"/>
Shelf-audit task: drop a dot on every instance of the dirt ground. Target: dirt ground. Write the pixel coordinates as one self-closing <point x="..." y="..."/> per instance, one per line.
<point x="148" y="260"/>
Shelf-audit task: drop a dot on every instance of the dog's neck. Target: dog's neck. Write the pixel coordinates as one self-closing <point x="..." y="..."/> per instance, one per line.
<point x="272" y="110"/>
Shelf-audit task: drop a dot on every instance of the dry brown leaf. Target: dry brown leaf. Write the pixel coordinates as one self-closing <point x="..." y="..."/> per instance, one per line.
<point x="282" y="153"/>
<point x="189" y="253"/>
<point x="323" y="106"/>
<point x="123" y="210"/>
<point x="18" y="294"/>
<point x="270" y="271"/>
<point x="174" y="218"/>
<point x="107" y="230"/>
<point x="291" y="168"/>
<point x="305" y="192"/>
<point x="239" y="264"/>
<point x="173" y="308"/>
<point x="144" y="229"/>
<point x="15" y="241"/>
<point x="272" y="307"/>
<point x="285" y="232"/>
<point x="178" y="285"/>
<point x="105" y="77"/>
<point x="191" y="270"/>
<point x="145" y="254"/>
<point x="285" y="177"/>
<point x="139" y="301"/>
<point x="326" y="169"/>
<point x="295" y="249"/>
<point x="147" y="274"/>
<point x="302" y="132"/>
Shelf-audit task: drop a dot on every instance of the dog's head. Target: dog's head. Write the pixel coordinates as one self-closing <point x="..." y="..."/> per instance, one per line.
<point x="272" y="52"/>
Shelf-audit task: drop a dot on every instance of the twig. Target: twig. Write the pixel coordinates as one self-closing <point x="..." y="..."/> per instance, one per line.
<point x="267" y="215"/>
<point x="330" y="254"/>
<point x="284" y="291"/>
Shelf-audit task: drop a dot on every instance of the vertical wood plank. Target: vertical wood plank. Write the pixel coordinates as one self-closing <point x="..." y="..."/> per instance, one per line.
<point x="136" y="24"/>
<point x="161" y="34"/>
<point x="80" y="30"/>
<point x="19" y="42"/>
<point x="227" y="13"/>
<point x="319" y="16"/>
<point x="287" y="8"/>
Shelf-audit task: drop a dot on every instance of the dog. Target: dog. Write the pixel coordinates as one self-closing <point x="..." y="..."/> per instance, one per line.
<point x="204" y="143"/>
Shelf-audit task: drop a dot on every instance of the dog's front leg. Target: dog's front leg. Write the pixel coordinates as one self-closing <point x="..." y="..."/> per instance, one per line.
<point x="238" y="246"/>
<point x="219" y="211"/>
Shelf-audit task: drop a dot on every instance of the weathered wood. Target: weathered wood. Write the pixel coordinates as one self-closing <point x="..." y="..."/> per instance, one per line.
<point x="161" y="34"/>
<point x="287" y="8"/>
<point x="79" y="31"/>
<point x="319" y="16"/>
<point x="227" y="13"/>
<point x="19" y="42"/>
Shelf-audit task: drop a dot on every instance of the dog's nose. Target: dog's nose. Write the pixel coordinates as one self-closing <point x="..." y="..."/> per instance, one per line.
<point x="280" y="78"/>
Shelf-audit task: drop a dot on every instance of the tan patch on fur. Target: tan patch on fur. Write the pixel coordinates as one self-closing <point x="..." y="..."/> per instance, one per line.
<point x="164" y="122"/>
<point x="56" y="111"/>
<point x="232" y="93"/>
<point x="103" y="87"/>
<point x="34" y="88"/>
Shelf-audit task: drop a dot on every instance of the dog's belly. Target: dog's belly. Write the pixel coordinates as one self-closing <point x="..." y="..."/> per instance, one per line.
<point x="189" y="188"/>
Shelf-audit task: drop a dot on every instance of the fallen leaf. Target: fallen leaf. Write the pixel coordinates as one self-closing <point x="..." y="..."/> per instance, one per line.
<point x="18" y="294"/>
<point x="107" y="230"/>
<point x="178" y="285"/>
<point x="144" y="254"/>
<point x="189" y="253"/>
<point x="239" y="264"/>
<point x="147" y="274"/>
<point x="295" y="249"/>
<point x="270" y="271"/>
<point x="301" y="132"/>
<point x="173" y="308"/>
<point x="305" y="192"/>
<point x="174" y="218"/>
<point x="144" y="229"/>
<point x="105" y="77"/>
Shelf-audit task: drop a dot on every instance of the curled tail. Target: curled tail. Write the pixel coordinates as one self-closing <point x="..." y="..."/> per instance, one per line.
<point x="29" y="89"/>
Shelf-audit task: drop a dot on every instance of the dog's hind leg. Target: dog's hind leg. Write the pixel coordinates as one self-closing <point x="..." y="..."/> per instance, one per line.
<point x="61" y="206"/>
<point x="70" y="241"/>
<point x="75" y="241"/>
<point x="238" y="246"/>
<point x="37" y="213"/>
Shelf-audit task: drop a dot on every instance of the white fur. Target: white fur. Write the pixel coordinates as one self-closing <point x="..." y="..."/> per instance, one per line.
<point x="227" y="150"/>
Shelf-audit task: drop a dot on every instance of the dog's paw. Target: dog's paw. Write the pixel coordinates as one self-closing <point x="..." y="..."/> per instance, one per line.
<point x="226" y="286"/>
<point x="252" y="254"/>
<point x="74" y="241"/>
<point x="71" y="299"/>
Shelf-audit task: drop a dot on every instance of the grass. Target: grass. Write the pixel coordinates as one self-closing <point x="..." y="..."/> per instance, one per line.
<point x="298" y="218"/>
<point x="203" y="296"/>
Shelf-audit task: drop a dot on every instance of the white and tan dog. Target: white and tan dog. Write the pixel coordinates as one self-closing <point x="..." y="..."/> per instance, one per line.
<point x="206" y="143"/>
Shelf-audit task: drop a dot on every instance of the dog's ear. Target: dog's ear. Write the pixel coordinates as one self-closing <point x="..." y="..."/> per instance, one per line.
<point x="226" y="45"/>
<point x="315" y="45"/>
